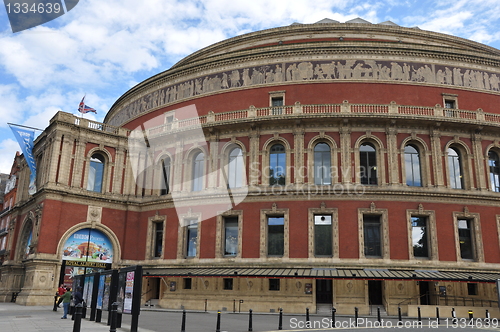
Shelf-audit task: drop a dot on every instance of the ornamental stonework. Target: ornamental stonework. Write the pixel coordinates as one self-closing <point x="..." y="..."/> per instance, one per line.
<point x="328" y="71"/>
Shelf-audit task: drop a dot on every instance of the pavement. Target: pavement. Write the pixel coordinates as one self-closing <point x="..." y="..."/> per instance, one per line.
<point x="18" y="318"/>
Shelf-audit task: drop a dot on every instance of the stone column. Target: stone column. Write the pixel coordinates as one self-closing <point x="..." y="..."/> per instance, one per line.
<point x="392" y="155"/>
<point x="54" y="148"/>
<point x="477" y="152"/>
<point x="253" y="152"/>
<point x="345" y="154"/>
<point x="79" y="159"/>
<point x="213" y="162"/>
<point x="178" y="162"/>
<point x="437" y="158"/>
<point x="65" y="159"/>
<point x="298" y="136"/>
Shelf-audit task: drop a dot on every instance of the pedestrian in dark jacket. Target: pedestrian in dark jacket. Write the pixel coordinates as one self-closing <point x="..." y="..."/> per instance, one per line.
<point x="78" y="296"/>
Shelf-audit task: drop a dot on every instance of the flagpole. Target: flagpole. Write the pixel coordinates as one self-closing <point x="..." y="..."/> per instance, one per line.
<point x="13" y="124"/>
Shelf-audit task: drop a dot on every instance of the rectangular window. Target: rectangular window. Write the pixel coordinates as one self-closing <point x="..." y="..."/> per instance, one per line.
<point x="420" y="238"/>
<point x="158" y="239"/>
<point x="230" y="236"/>
<point x="449" y="103"/>
<point x="371" y="231"/>
<point x="274" y="284"/>
<point x="323" y="235"/>
<point x="187" y="283"/>
<point x="465" y="238"/>
<point x="276" y="103"/>
<point x="228" y="283"/>
<point x="275" y="236"/>
<point x="471" y="289"/>
<point x="191" y="239"/>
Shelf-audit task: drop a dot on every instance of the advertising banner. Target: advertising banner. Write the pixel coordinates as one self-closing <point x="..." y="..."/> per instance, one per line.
<point x="88" y="245"/>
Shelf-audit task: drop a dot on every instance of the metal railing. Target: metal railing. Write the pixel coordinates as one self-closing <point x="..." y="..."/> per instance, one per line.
<point x="448" y="300"/>
<point x="299" y="110"/>
<point x="465" y="301"/>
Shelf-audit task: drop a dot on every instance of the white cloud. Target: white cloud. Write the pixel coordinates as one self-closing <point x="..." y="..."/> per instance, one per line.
<point x="8" y="149"/>
<point x="11" y="108"/>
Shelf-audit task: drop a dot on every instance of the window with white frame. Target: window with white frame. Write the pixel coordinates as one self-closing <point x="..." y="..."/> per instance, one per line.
<point x="412" y="166"/>
<point x="96" y="173"/>
<point x="322" y="164"/>
<point x="198" y="171"/>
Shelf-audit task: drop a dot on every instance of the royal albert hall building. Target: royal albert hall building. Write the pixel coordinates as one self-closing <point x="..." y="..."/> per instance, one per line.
<point x="346" y="164"/>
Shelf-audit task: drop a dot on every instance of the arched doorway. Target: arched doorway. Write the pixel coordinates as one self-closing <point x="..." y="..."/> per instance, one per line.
<point x="85" y="251"/>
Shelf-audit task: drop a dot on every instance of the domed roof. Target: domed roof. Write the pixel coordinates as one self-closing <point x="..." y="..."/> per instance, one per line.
<point x="326" y="39"/>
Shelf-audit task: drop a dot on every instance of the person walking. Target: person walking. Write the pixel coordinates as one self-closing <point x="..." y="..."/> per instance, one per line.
<point x="66" y="299"/>
<point x="77" y="299"/>
<point x="60" y="292"/>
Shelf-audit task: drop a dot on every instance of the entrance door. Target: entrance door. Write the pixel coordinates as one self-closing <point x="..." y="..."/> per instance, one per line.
<point x="375" y="292"/>
<point x="324" y="293"/>
<point x="155" y="288"/>
<point x="425" y="294"/>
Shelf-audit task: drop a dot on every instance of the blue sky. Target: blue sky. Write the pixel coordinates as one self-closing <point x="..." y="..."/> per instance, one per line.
<point x="103" y="48"/>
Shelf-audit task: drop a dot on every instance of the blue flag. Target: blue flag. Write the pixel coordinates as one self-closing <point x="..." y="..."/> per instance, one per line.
<point x="25" y="139"/>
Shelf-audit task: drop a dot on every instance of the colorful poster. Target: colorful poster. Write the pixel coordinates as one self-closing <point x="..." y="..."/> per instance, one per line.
<point x="121" y="292"/>
<point x="129" y="290"/>
<point x="107" y="291"/>
<point x="100" y="292"/>
<point x="88" y="245"/>
<point x="88" y="289"/>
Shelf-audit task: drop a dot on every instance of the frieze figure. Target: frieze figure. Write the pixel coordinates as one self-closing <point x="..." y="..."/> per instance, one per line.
<point x="307" y="70"/>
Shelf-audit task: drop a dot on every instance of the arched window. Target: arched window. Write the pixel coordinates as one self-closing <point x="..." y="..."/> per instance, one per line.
<point x="494" y="163"/>
<point x="198" y="168"/>
<point x="322" y="164"/>
<point x="368" y="164"/>
<point x="277" y="165"/>
<point x="165" y="176"/>
<point x="455" y="168"/>
<point x="412" y="166"/>
<point x="96" y="173"/>
<point x="235" y="168"/>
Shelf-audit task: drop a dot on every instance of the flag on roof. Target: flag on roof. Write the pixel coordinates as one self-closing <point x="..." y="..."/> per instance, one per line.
<point x="82" y="108"/>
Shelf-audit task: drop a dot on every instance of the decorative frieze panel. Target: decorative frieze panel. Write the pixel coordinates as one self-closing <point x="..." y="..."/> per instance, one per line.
<point x="372" y="70"/>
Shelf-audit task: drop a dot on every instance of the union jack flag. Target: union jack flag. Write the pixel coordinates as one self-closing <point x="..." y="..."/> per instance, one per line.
<point x="82" y="108"/>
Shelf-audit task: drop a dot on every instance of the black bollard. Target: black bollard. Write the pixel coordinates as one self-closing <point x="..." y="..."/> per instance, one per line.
<point x="183" y="323"/>
<point x="217" y="327"/>
<point x="280" y="322"/>
<point x="400" y="318"/>
<point x="356" y="316"/>
<point x="378" y="315"/>
<point x="419" y="316"/>
<point x="114" y="309"/>
<point x="250" y="320"/>
<point x="333" y="316"/>
<point x="55" y="303"/>
<point x="487" y="315"/>
<point x="471" y="316"/>
<point x="84" y="310"/>
<point x="437" y="315"/>
<point x="307" y="315"/>
<point x="453" y="316"/>
<point x="78" y="318"/>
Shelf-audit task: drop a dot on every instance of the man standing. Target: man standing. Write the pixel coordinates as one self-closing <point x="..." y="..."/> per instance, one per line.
<point x="66" y="299"/>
